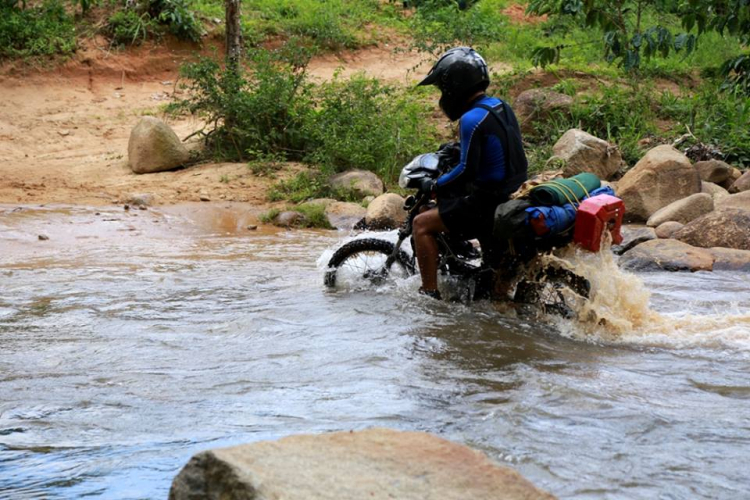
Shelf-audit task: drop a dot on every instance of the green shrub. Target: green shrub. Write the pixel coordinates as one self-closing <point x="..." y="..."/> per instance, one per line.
<point x="178" y="18"/>
<point x="43" y="30"/>
<point x="126" y="27"/>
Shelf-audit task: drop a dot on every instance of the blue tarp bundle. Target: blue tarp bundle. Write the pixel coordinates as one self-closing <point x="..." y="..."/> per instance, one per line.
<point x="558" y="219"/>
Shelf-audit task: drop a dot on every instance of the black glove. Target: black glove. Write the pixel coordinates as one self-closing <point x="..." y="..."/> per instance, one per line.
<point x="427" y="186"/>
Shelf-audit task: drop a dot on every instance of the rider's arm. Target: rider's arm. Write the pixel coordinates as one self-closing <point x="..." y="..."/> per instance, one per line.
<point x="469" y="151"/>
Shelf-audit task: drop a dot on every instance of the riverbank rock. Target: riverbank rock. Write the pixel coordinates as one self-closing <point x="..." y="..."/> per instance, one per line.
<point x="741" y="184"/>
<point x="289" y="218"/>
<point x="633" y="236"/>
<point x="736" y="174"/>
<point x="684" y="210"/>
<point x="342" y="215"/>
<point x="667" y="229"/>
<point x="582" y="152"/>
<point x="385" y="212"/>
<point x="717" y="192"/>
<point x="726" y="228"/>
<point x="739" y="200"/>
<point x="140" y="200"/>
<point x="729" y="259"/>
<point x="154" y="147"/>
<point x="715" y="171"/>
<point x="662" y="176"/>
<point x="362" y="182"/>
<point x="539" y="104"/>
<point x="374" y="464"/>
<point x="667" y="255"/>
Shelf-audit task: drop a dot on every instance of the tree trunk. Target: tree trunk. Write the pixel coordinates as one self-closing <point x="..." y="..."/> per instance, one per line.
<point x="234" y="35"/>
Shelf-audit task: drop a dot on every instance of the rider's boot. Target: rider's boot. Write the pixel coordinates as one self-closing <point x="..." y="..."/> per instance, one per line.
<point x="435" y="294"/>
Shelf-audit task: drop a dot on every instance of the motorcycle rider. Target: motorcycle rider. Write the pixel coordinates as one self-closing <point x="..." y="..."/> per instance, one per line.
<point x="492" y="163"/>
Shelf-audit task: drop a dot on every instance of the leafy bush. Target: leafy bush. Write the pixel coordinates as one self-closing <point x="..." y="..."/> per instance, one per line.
<point x="43" y="30"/>
<point x="439" y="24"/>
<point x="138" y="21"/>
<point x="178" y="18"/>
<point x="127" y="27"/>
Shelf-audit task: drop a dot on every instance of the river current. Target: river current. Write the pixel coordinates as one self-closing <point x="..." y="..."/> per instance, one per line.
<point x="131" y="340"/>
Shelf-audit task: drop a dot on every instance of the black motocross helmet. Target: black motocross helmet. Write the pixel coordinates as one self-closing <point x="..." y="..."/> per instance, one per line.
<point x="459" y="74"/>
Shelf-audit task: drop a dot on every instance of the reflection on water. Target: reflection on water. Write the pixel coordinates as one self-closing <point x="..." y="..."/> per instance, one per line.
<point x="123" y="354"/>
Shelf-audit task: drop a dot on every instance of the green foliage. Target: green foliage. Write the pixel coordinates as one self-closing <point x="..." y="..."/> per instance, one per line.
<point x="126" y="27"/>
<point x="42" y="30"/>
<point x="178" y="18"/>
<point x="736" y="73"/>
<point x="314" y="216"/>
<point x="307" y="186"/>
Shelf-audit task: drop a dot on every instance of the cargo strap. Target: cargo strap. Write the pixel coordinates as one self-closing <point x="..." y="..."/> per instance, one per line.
<point x="566" y="191"/>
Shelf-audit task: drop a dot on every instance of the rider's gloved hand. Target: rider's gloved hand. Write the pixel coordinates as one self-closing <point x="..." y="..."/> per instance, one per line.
<point x="428" y="186"/>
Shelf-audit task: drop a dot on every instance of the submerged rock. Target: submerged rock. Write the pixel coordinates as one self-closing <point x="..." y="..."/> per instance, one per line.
<point x="667" y="255"/>
<point x="375" y="464"/>
<point x="662" y="176"/>
<point x="289" y="218"/>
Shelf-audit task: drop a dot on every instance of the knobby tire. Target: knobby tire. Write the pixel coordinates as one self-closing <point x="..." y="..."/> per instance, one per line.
<point x="363" y="246"/>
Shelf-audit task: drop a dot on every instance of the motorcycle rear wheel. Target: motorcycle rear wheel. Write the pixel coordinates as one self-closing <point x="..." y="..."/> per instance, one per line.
<point x="365" y="261"/>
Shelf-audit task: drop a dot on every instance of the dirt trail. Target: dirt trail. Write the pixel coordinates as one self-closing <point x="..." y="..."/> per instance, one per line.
<point x="64" y="132"/>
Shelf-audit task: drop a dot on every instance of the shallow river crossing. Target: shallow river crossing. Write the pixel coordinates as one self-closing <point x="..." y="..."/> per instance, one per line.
<point x="130" y="341"/>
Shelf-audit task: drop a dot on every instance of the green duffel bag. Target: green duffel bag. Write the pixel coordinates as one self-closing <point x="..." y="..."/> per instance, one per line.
<point x="563" y="191"/>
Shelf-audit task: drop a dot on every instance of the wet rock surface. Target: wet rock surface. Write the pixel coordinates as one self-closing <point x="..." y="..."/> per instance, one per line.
<point x="662" y="176"/>
<point x="583" y="152"/>
<point x="372" y="464"/>
<point x="727" y="228"/>
<point x="633" y="236"/>
<point x="667" y="255"/>
<point x="729" y="259"/>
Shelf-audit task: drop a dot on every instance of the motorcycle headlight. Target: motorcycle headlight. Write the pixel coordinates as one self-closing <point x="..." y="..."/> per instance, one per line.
<point x="403" y="180"/>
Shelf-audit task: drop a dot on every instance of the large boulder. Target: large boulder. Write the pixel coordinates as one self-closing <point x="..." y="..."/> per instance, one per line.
<point x="375" y="464"/>
<point x="727" y="228"/>
<point x="582" y="152"/>
<point x="662" y="176"/>
<point x="343" y="215"/>
<point x="716" y="191"/>
<point x="715" y="171"/>
<point x="385" y="212"/>
<point x="667" y="255"/>
<point x="739" y="200"/>
<point x="154" y="147"/>
<point x="362" y="182"/>
<point x="729" y="259"/>
<point x="667" y="229"/>
<point x="684" y="210"/>
<point x="741" y="184"/>
<point x="537" y="105"/>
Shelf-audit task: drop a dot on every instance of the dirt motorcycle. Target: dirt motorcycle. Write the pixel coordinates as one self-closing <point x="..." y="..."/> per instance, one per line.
<point x="521" y="277"/>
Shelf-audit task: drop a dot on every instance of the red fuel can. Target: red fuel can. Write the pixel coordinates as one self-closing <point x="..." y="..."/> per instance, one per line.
<point x="596" y="215"/>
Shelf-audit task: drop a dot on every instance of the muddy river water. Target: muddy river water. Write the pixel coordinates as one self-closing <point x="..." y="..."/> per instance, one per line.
<point x="131" y="340"/>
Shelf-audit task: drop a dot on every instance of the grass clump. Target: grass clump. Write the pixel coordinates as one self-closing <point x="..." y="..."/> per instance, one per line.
<point x="135" y="22"/>
<point x="307" y="186"/>
<point x="313" y="215"/>
<point x="43" y="30"/>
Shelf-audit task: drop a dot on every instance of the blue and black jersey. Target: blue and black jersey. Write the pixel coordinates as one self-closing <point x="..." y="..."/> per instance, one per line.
<point x="484" y="164"/>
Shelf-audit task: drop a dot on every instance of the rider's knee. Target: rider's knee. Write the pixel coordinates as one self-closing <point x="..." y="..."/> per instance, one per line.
<point x="420" y="226"/>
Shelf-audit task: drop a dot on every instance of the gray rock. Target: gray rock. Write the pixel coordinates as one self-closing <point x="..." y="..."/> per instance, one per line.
<point x="741" y="184"/>
<point x="633" y="236"/>
<point x="667" y="229"/>
<point x="582" y="152"/>
<point x="154" y="147"/>
<point x="729" y="259"/>
<point x="362" y="182"/>
<point x="739" y="200"/>
<point x="375" y="464"/>
<point x="385" y="212"/>
<point x="343" y="215"/>
<point x="716" y="191"/>
<point x="141" y="200"/>
<point x="289" y="218"/>
<point x="536" y="105"/>
<point x="727" y="228"/>
<point x="662" y="176"/>
<point x="684" y="210"/>
<point x="667" y="255"/>
<point x="715" y="171"/>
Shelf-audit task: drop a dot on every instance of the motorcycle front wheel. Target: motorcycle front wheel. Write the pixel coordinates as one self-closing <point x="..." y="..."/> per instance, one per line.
<point x="364" y="262"/>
